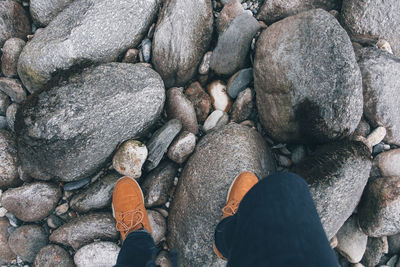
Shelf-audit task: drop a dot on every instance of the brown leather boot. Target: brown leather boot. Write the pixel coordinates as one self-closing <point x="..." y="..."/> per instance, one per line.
<point x="128" y="207"/>
<point x="239" y="188"/>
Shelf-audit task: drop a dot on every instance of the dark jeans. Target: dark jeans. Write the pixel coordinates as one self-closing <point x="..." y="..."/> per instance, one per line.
<point x="276" y="225"/>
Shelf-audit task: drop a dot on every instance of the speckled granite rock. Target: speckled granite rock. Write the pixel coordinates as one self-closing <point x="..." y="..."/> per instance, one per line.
<point x="13" y="20"/>
<point x="9" y="160"/>
<point x="51" y="256"/>
<point x="43" y="12"/>
<point x="97" y="254"/>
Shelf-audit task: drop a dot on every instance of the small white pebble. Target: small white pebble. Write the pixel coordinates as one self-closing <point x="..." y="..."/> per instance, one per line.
<point x="3" y="212"/>
<point x="219" y="97"/>
<point x="167" y="204"/>
<point x="176" y="181"/>
<point x="384" y="45"/>
<point x="376" y="136"/>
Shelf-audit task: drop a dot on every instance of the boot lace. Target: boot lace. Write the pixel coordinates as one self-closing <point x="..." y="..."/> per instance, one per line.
<point x="130" y="220"/>
<point x="231" y="207"/>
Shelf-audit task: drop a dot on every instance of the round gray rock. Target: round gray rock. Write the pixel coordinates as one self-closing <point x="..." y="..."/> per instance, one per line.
<point x="69" y="132"/>
<point x="6" y="254"/>
<point x="31" y="202"/>
<point x="53" y="255"/>
<point x="85" y="229"/>
<point x="9" y="161"/>
<point x="43" y="12"/>
<point x="181" y="38"/>
<point x="307" y="80"/>
<point x="219" y="157"/>
<point x="27" y="240"/>
<point x="97" y="254"/>
<point x="387" y="164"/>
<point x="380" y="72"/>
<point x="13" y="20"/>
<point x="84" y="33"/>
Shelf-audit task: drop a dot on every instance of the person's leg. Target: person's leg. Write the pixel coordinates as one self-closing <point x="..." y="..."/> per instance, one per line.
<point x="138" y="249"/>
<point x="276" y="225"/>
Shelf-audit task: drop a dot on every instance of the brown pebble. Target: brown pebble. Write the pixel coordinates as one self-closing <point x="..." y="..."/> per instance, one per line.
<point x="200" y="100"/>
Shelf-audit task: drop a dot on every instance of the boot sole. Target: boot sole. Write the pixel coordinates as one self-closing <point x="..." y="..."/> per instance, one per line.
<point x="112" y="204"/>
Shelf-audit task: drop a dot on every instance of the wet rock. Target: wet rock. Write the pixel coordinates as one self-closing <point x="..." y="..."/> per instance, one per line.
<point x="374" y="252"/>
<point x="11" y="50"/>
<point x="387" y="164"/>
<point x="6" y="254"/>
<point x="205" y="63"/>
<point x="76" y="185"/>
<point x="77" y="29"/>
<point x="4" y="103"/>
<point x="43" y="12"/>
<point x="13" y="88"/>
<point x="337" y="174"/>
<point x="53" y="255"/>
<point x="85" y="118"/>
<point x="54" y="221"/>
<point x="181" y="108"/>
<point x="97" y="196"/>
<point x="146" y="49"/>
<point x="157" y="184"/>
<point x="243" y="106"/>
<point x="380" y="72"/>
<point x="216" y="120"/>
<point x="372" y="20"/>
<point x="160" y="141"/>
<point x="200" y="99"/>
<point x="13" y="20"/>
<point x="97" y="254"/>
<point x="352" y="241"/>
<point x="85" y="229"/>
<point x="158" y="225"/>
<point x="379" y="209"/>
<point x="230" y="11"/>
<point x="239" y="81"/>
<point x="274" y="10"/>
<point x="233" y="45"/>
<point x="31" y="202"/>
<point x="208" y="175"/>
<point x="130" y="56"/>
<point x="9" y="161"/>
<point x="181" y="22"/>
<point x="297" y="90"/>
<point x="129" y="158"/>
<point x="182" y="147"/>
<point x="163" y="259"/>
<point x="219" y="98"/>
<point x="27" y="240"/>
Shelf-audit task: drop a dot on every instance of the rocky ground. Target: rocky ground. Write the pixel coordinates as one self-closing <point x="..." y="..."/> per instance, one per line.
<point x="184" y="95"/>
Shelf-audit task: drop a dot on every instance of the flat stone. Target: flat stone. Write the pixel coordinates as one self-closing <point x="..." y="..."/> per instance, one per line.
<point x="158" y="226"/>
<point x="181" y="22"/>
<point x="274" y="10"/>
<point x="216" y="120"/>
<point x="146" y="49"/>
<point x="11" y="50"/>
<point x="4" y="103"/>
<point x="379" y="209"/>
<point x="160" y="141"/>
<point x="297" y="86"/>
<point x="233" y="45"/>
<point x="230" y="11"/>
<point x="157" y="184"/>
<point x="208" y="175"/>
<point x="243" y="106"/>
<point x="86" y="32"/>
<point x="182" y="147"/>
<point x="337" y="174"/>
<point x="181" y="108"/>
<point x="13" y="88"/>
<point x="9" y="161"/>
<point x="200" y="99"/>
<point x="27" y="240"/>
<point x="85" y="229"/>
<point x="219" y="97"/>
<point x="85" y="118"/>
<point x="380" y="72"/>
<point x="352" y="242"/>
<point x="76" y="184"/>
<point x="205" y="63"/>
<point x="97" y="254"/>
<point x="373" y="20"/>
<point x="11" y="115"/>
<point x="31" y="202"/>
<point x="53" y="255"/>
<point x="375" y="250"/>
<point x="129" y="158"/>
<point x="6" y="254"/>
<point x="13" y="20"/>
<point x="97" y="196"/>
<point x="239" y="81"/>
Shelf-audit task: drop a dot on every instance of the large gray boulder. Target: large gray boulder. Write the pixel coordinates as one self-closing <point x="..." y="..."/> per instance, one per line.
<point x="43" y="11"/>
<point x="372" y="20"/>
<point x="219" y="157"/>
<point x="182" y="35"/>
<point x="380" y="72"/>
<point x="337" y="174"/>
<point x="69" y="131"/>
<point x="273" y="10"/>
<point x="86" y="32"/>
<point x="13" y="21"/>
<point x="307" y="80"/>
